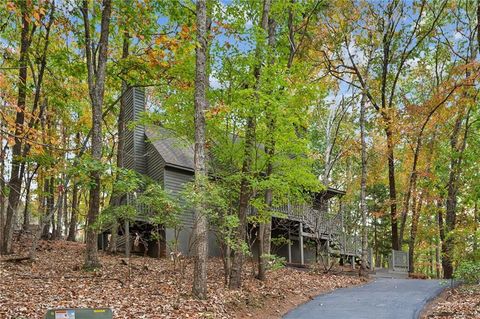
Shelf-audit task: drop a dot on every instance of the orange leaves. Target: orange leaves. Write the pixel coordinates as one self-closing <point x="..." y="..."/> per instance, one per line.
<point x="11" y="6"/>
<point x="217" y="110"/>
<point x="167" y="43"/>
<point x="186" y="32"/>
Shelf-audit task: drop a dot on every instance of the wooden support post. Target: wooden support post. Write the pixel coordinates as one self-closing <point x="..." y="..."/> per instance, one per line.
<point x="300" y="236"/>
<point x="289" y="248"/>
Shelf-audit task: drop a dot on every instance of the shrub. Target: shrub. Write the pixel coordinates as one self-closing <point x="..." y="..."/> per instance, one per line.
<point x="469" y="271"/>
<point x="274" y="262"/>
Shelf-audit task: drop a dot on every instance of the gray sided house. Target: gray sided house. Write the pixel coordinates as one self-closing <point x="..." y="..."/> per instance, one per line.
<point x="309" y="231"/>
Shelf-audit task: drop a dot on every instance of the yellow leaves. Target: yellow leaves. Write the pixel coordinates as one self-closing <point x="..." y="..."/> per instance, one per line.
<point x="36" y="15"/>
<point x="161" y="39"/>
<point x="167" y="43"/>
<point x="10" y="141"/>
<point x="11" y="6"/>
<point x="185" y="32"/>
<point x="157" y="58"/>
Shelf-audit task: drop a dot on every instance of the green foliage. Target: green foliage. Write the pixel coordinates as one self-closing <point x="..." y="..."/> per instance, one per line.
<point x="469" y="271"/>
<point x="274" y="262"/>
<point x="165" y="209"/>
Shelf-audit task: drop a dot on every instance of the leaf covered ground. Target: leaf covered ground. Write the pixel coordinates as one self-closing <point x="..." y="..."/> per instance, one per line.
<point x="149" y="288"/>
<point x="460" y="303"/>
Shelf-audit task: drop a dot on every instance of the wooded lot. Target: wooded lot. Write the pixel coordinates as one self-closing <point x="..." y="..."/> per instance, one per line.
<point x="221" y="136"/>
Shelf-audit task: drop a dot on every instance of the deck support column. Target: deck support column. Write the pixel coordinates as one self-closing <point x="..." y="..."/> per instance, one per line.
<point x="300" y="240"/>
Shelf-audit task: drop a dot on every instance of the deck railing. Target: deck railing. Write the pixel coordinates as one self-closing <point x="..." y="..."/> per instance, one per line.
<point x="318" y="222"/>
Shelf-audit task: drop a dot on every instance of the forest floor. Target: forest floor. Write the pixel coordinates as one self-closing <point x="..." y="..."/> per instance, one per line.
<point x="148" y="287"/>
<point x="460" y="303"/>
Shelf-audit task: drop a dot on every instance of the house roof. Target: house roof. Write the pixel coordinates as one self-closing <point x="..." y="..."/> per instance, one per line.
<point x="176" y="151"/>
<point x="330" y="192"/>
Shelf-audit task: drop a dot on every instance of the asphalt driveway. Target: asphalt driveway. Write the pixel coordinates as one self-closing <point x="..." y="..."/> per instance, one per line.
<point x="383" y="298"/>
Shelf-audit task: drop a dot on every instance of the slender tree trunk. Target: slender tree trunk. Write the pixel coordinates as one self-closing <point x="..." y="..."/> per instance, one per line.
<point x="391" y="185"/>
<point x="46" y="226"/>
<point x="96" y="67"/>
<point x="200" y="246"/>
<point x="15" y="182"/>
<point x="457" y="146"/>
<point x="413" y="230"/>
<point x="413" y="189"/>
<point x="65" y="212"/>
<point x="2" y="190"/>
<point x="245" y="188"/>
<point x="26" y="211"/>
<point x="72" y="227"/>
<point x="476" y="222"/>
<point x="51" y="205"/>
<point x="363" y="189"/>
<point x="117" y="199"/>
<point x="59" y="221"/>
<point x="265" y="228"/>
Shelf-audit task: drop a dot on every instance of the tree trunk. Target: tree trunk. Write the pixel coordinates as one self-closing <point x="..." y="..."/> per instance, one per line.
<point x="265" y="228"/>
<point x="245" y="188"/>
<point x="476" y="222"/>
<point x="413" y="229"/>
<point x="96" y="68"/>
<point x="51" y="206"/>
<point x="65" y="213"/>
<point x="413" y="189"/>
<point x="26" y="211"/>
<point x="46" y="226"/>
<point x="457" y="146"/>
<point x="117" y="200"/>
<point x="363" y="189"/>
<point x="391" y="184"/>
<point x="58" y="227"/>
<point x="200" y="244"/>
<point x="72" y="226"/>
<point x="2" y="189"/>
<point x="15" y="182"/>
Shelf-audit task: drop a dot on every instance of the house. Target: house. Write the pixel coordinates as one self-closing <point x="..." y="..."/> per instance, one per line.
<point x="168" y="159"/>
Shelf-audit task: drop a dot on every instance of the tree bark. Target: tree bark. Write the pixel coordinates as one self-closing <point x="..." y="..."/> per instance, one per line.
<point x="363" y="189"/>
<point x="413" y="189"/>
<point x="2" y="188"/>
<point x="118" y="199"/>
<point x="96" y="67"/>
<point x="200" y="246"/>
<point x="457" y="146"/>
<point x="245" y="188"/>
<point x="15" y="182"/>
<point x="391" y="185"/>
<point x="265" y="228"/>
<point x="72" y="226"/>
<point x="43" y="208"/>
<point x="65" y="212"/>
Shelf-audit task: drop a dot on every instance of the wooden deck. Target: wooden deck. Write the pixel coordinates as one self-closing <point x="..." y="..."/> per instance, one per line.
<point x="311" y="223"/>
<point x="326" y="226"/>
